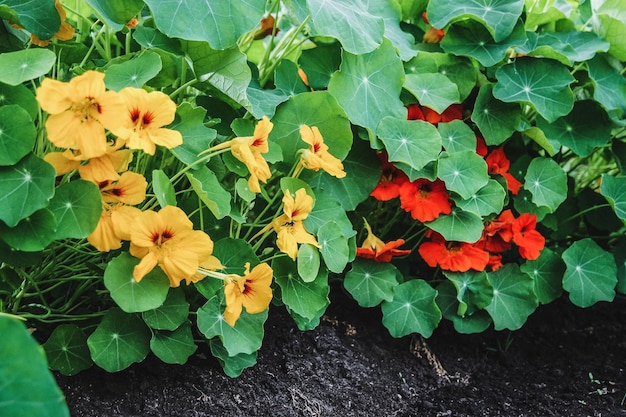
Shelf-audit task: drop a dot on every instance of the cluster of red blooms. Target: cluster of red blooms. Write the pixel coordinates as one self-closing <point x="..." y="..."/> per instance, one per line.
<point x="426" y="200"/>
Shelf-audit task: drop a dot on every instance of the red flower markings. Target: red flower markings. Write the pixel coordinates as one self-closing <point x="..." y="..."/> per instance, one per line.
<point x="425" y="200"/>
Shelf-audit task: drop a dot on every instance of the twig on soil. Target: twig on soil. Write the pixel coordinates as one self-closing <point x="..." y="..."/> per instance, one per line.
<point x="310" y="407"/>
<point x="420" y="350"/>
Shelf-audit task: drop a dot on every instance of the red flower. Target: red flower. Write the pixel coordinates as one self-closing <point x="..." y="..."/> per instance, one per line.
<point x="497" y="235"/>
<point x="453" y="256"/>
<point x="495" y="262"/>
<point x="415" y="112"/>
<point x="425" y="200"/>
<point x="454" y="112"/>
<point x="529" y="241"/>
<point x="432" y="35"/>
<point x="390" y="181"/>
<point x="481" y="146"/>
<point x="498" y="164"/>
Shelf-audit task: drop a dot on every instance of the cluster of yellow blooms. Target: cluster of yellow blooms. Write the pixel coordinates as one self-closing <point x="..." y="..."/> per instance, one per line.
<point x="81" y="115"/>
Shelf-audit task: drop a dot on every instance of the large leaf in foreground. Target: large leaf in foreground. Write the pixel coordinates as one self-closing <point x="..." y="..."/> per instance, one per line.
<point x="542" y="83"/>
<point x="77" y="207"/>
<point x="67" y="351"/>
<point x="413" y="142"/>
<point x="547" y="182"/>
<point x="174" y="346"/>
<point x="27" y="388"/>
<point x="412" y="310"/>
<point x="547" y="271"/>
<point x="25" y="65"/>
<point x="371" y="282"/>
<point x="459" y="225"/>
<point x="614" y="190"/>
<point x="514" y="297"/>
<point x="303" y="298"/>
<point x="463" y="172"/>
<point x="435" y="91"/>
<point x="591" y="273"/>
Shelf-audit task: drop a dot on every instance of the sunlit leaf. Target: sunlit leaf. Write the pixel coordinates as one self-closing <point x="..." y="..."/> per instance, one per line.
<point x="391" y="13"/>
<point x="368" y="86"/>
<point x="435" y="91"/>
<point x="489" y="199"/>
<point x="543" y="83"/>
<point x="151" y="38"/>
<point x="614" y="189"/>
<point x="591" y="273"/>
<point x="130" y="295"/>
<point x="67" y="351"/>
<point x="457" y="136"/>
<point x="514" y="297"/>
<point x="498" y="16"/>
<point x="333" y="246"/>
<point x="565" y="47"/>
<point x="413" y="142"/>
<point x="25" y="65"/>
<point x="371" y="282"/>
<point x="120" y="340"/>
<point x="308" y="262"/>
<point x="412" y="310"/>
<point x="27" y="387"/>
<point x="220" y="22"/>
<point x="197" y="137"/>
<point x="134" y="72"/>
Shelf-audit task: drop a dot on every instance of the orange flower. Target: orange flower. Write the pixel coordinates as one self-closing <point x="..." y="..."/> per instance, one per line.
<point x="288" y="226"/>
<point x="425" y="200"/>
<point x="79" y="112"/>
<point x="106" y="167"/>
<point x="65" y="33"/>
<point x="167" y="239"/>
<point x="498" y="234"/>
<point x="130" y="188"/>
<point x="529" y="241"/>
<point x="132" y="23"/>
<point x="453" y="256"/>
<point x="113" y="227"/>
<point x="146" y="114"/>
<point x="266" y="28"/>
<point x="374" y="248"/>
<point x="317" y="157"/>
<point x="391" y="179"/>
<point x="417" y="112"/>
<point x="251" y="291"/>
<point x="249" y="149"/>
<point x="498" y="164"/>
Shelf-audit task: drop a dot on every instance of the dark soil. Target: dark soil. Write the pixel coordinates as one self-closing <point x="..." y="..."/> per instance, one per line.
<point x="565" y="361"/>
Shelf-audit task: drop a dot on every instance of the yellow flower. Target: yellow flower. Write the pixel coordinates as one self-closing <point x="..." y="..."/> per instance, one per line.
<point x="101" y="169"/>
<point x="288" y="226"/>
<point x="113" y="227"/>
<point x="130" y="188"/>
<point x="251" y="291"/>
<point x="79" y="112"/>
<point x="167" y="239"/>
<point x="249" y="149"/>
<point x="146" y="114"/>
<point x="65" y="33"/>
<point x="317" y="157"/>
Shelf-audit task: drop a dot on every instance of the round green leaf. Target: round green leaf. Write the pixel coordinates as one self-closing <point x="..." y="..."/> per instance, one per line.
<point x="134" y="72"/>
<point x="609" y="85"/>
<point x="77" y="206"/>
<point x="514" y="297"/>
<point x="233" y="254"/>
<point x="233" y="365"/>
<point x="151" y="38"/>
<point x="120" y="340"/>
<point x="197" y="137"/>
<point x="208" y="188"/>
<point x="565" y="47"/>
<point x="32" y="233"/>
<point x="368" y="86"/>
<point x="463" y="172"/>
<point x="247" y="335"/>
<point x="371" y="282"/>
<point x="308" y="262"/>
<point x="495" y="119"/>
<point x="614" y="190"/>
<point x="163" y="188"/>
<point x="27" y="386"/>
<point x="174" y="346"/>
<point x="543" y="83"/>
<point x="130" y="295"/>
<point x="487" y="200"/>
<point x="333" y="246"/>
<point x="327" y="209"/>
<point x="547" y="182"/>
<point x="171" y="314"/>
<point x="343" y="20"/>
<point x="117" y="11"/>
<point x="449" y="305"/>
<point x="67" y="351"/>
<point x="499" y="16"/>
<point x="413" y="142"/>
<point x="17" y="134"/>
<point x="25" y="188"/>
<point x="320" y="63"/>
<point x="591" y="273"/>
<point x="584" y="129"/>
<point x="40" y="18"/>
<point x="305" y="299"/>
<point x="456" y="136"/>
<point x="435" y="91"/>
<point x="412" y="310"/>
<point x="474" y="292"/>
<point x="313" y="109"/>
<point x="220" y="23"/>
<point x="25" y="65"/>
<point x="459" y="225"/>
<point x="547" y="271"/>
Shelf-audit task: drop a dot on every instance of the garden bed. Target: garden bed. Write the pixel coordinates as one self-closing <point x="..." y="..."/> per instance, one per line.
<point x="566" y="361"/>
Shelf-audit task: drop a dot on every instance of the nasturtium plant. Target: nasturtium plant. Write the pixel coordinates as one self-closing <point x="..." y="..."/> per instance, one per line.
<point x="172" y="172"/>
